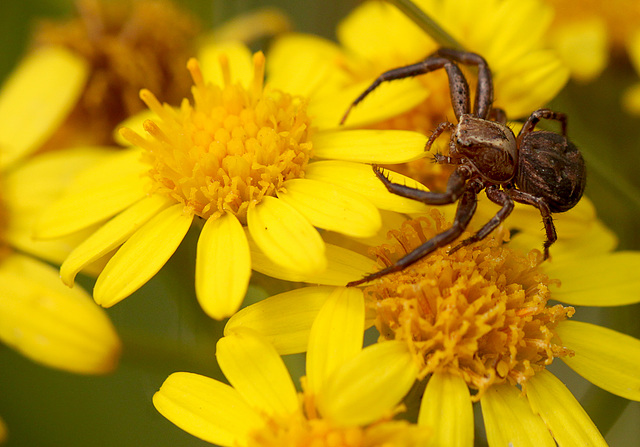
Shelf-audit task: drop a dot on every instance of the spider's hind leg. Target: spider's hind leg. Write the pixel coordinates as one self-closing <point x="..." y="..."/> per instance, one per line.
<point x="496" y="196"/>
<point x="466" y="208"/>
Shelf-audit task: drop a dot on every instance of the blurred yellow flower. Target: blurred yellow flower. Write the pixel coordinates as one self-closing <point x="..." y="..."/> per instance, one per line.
<point x="478" y="320"/>
<point x="349" y="394"/>
<point x="242" y="156"/>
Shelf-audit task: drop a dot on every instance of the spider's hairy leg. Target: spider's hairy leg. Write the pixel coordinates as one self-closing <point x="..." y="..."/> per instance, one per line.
<point x="547" y="220"/>
<point x="455" y="187"/>
<point x="499" y="197"/>
<point x="466" y="208"/>
<point x="457" y="82"/>
<point x="484" y="88"/>
<point x="539" y="114"/>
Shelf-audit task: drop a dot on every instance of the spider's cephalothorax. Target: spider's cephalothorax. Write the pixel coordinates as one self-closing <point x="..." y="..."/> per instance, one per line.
<point x="538" y="168"/>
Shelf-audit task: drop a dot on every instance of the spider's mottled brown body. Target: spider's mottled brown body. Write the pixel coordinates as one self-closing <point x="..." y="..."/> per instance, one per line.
<point x="538" y="168"/>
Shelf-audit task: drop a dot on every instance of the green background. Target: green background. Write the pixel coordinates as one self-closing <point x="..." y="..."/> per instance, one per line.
<point x="163" y="329"/>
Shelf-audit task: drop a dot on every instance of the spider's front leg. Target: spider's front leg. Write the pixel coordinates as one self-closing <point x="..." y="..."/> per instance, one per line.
<point x="466" y="208"/>
<point x="455" y="187"/>
<point x="458" y="86"/>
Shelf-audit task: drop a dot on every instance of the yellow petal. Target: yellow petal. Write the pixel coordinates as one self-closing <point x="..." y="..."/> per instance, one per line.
<point x="223" y="266"/>
<point x="332" y="207"/>
<point x="284" y="320"/>
<point x="609" y="280"/>
<point x="142" y="256"/>
<point x="336" y="336"/>
<point x="206" y="408"/>
<point x="286" y="237"/>
<point x="370" y="146"/>
<point x="52" y="324"/>
<point x="97" y="194"/>
<point x="343" y="266"/>
<point x="583" y="46"/>
<point x="257" y="372"/>
<point x="238" y="56"/>
<point x="509" y="420"/>
<point x="604" y="357"/>
<point x="297" y="64"/>
<point x="388" y="100"/>
<point x="33" y="185"/>
<point x="369" y="386"/>
<point x="562" y="413"/>
<point x="37" y="98"/>
<point x="446" y="410"/>
<point x="111" y="235"/>
<point x="360" y="177"/>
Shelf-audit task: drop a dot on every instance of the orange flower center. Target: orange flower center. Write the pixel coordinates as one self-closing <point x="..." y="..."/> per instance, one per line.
<point x="480" y="313"/>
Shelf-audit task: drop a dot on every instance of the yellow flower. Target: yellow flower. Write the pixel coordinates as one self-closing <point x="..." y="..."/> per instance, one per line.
<point x="39" y="316"/>
<point x="349" y="394"/>
<point x="244" y="161"/>
<point x="587" y="33"/>
<point x="479" y="320"/>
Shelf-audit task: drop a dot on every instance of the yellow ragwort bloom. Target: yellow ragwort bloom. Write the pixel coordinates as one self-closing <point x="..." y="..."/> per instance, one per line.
<point x="479" y="320"/>
<point x="246" y="162"/>
<point x="349" y="394"/>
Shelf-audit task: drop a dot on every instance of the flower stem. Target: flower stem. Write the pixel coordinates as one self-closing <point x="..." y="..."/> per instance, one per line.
<point x="426" y="23"/>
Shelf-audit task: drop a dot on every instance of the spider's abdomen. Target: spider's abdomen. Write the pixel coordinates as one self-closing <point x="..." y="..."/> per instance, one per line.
<point x="551" y="168"/>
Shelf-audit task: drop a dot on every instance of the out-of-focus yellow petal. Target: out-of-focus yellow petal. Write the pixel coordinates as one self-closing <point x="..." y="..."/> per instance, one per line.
<point x="206" y="408"/>
<point x="97" y="194"/>
<point x="360" y="32"/>
<point x="360" y="177"/>
<point x="562" y="413"/>
<point x="111" y="235"/>
<point x="446" y="410"/>
<point x="336" y="336"/>
<point x="631" y="99"/>
<point x="343" y="266"/>
<point x="257" y="372"/>
<point x="583" y="46"/>
<point x="33" y="185"/>
<point x="332" y="207"/>
<point x="223" y="266"/>
<point x="604" y="357"/>
<point x="284" y="320"/>
<point x="52" y="324"/>
<point x="286" y="237"/>
<point x="369" y="386"/>
<point x="142" y="256"/>
<point x="37" y="98"/>
<point x="238" y="56"/>
<point x="370" y="146"/>
<point x="388" y="100"/>
<point x="508" y="419"/>
<point x="608" y="280"/>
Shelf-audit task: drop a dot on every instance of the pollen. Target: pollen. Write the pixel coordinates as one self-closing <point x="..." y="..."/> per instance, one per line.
<point x="233" y="146"/>
<point x="128" y="45"/>
<point x="480" y="313"/>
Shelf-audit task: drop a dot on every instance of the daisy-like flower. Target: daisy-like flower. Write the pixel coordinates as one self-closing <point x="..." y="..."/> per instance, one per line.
<point x="481" y="328"/>
<point x="242" y="160"/>
<point x="349" y="394"/>
<point x="126" y="45"/>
